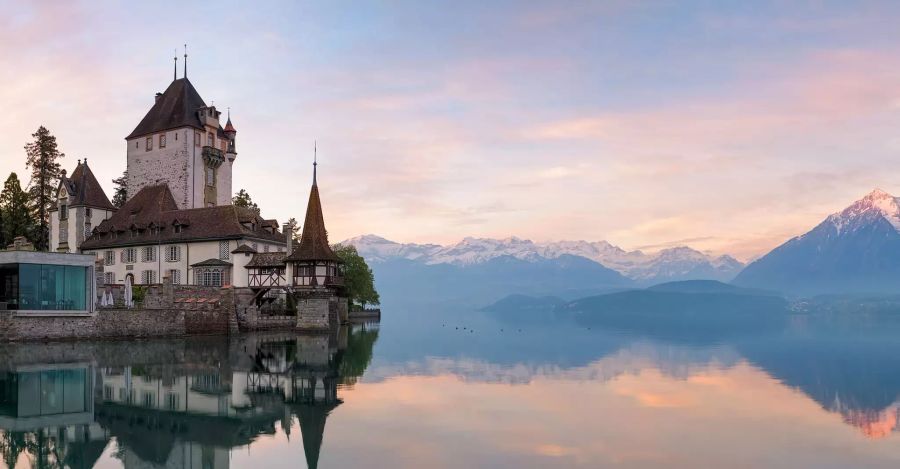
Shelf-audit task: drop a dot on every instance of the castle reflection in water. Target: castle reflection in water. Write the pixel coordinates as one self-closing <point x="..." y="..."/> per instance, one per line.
<point x="175" y="403"/>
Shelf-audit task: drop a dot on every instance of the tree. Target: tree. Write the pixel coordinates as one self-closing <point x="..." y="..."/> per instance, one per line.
<point x="43" y="161"/>
<point x="120" y="193"/>
<point x="295" y="230"/>
<point x="359" y="281"/>
<point x="243" y="199"/>
<point x="17" y="219"/>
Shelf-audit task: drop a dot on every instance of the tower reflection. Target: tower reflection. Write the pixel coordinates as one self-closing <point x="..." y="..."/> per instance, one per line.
<point x="178" y="404"/>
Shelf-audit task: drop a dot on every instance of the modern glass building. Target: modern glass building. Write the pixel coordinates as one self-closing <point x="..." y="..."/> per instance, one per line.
<point x="39" y="282"/>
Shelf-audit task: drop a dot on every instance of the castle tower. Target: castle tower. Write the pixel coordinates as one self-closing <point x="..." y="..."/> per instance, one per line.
<point x="81" y="205"/>
<point x="181" y="143"/>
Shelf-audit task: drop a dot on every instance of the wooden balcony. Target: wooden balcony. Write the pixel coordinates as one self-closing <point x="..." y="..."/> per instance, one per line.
<point x="275" y="278"/>
<point x="329" y="281"/>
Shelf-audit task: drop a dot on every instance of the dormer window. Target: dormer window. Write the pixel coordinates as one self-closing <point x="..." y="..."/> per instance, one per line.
<point x="149" y="144"/>
<point x="178" y="228"/>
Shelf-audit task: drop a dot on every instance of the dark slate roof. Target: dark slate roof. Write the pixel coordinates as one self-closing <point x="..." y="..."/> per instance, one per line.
<point x="177" y="107"/>
<point x="212" y="263"/>
<point x="267" y="259"/>
<point x="314" y="239"/>
<point x="154" y="206"/>
<point x="244" y="249"/>
<point x="85" y="190"/>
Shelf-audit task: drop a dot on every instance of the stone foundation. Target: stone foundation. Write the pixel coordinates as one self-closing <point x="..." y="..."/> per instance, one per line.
<point x="313" y="311"/>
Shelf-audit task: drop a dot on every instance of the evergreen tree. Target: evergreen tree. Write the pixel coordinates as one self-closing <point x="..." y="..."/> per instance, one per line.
<point x="43" y="161"/>
<point x="243" y="199"/>
<point x="120" y="193"/>
<point x="17" y="220"/>
<point x="295" y="229"/>
<point x="359" y="281"/>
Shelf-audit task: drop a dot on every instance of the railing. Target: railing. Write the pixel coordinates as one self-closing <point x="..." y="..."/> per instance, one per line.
<point x="307" y="280"/>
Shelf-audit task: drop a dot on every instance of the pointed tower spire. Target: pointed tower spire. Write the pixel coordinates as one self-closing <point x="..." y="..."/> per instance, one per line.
<point x="315" y="162"/>
<point x="185" y="60"/>
<point x="175" y="70"/>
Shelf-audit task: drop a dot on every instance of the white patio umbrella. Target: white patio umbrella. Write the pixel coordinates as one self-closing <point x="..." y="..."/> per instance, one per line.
<point x="103" y="299"/>
<point x="129" y="301"/>
<point x="109" y="298"/>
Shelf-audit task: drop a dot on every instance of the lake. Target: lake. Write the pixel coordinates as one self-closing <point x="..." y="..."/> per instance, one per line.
<point x="445" y="386"/>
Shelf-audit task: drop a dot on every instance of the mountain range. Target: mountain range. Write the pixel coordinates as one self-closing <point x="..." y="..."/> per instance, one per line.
<point x="855" y="250"/>
<point x="678" y="263"/>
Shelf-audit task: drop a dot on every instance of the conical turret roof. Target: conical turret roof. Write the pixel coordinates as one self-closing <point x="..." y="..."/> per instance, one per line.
<point x="314" y="238"/>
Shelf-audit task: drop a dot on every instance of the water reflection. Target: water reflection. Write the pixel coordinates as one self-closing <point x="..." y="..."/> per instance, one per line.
<point x="173" y="403"/>
<point x="815" y="391"/>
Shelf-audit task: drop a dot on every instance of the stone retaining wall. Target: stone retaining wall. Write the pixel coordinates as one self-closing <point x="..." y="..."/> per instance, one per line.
<point x="105" y="324"/>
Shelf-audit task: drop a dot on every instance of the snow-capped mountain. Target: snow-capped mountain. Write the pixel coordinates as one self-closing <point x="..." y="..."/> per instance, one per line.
<point x="854" y="250"/>
<point x="679" y="263"/>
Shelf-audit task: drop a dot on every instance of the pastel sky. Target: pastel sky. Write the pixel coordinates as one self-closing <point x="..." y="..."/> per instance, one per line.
<point x="726" y="126"/>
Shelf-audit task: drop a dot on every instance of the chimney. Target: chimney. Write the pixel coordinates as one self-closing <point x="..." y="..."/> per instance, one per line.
<point x="157" y="97"/>
<point x="289" y="237"/>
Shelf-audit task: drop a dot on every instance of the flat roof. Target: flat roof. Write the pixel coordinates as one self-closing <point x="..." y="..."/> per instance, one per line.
<point x="40" y="257"/>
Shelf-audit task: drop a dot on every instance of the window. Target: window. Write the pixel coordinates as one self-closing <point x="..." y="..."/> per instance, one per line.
<point x="224" y="250"/>
<point x="109" y="257"/>
<point x="148" y="398"/>
<point x="148" y="277"/>
<point x="255" y="247"/>
<point x="174" y="276"/>
<point x="87" y="212"/>
<point x="129" y="255"/>
<point x="173" y="253"/>
<point x="172" y="401"/>
<point x="162" y="141"/>
<point x="211" y="277"/>
<point x="109" y="278"/>
<point x="178" y="228"/>
<point x="63" y="212"/>
<point x="176" y="136"/>
<point x="108" y="392"/>
<point x="196" y="139"/>
<point x="149" y="144"/>
<point x="210" y="176"/>
<point x="137" y="144"/>
<point x="210" y="140"/>
<point x="148" y="254"/>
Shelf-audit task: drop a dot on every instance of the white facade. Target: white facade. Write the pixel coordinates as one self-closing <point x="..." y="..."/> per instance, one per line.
<point x="175" y="157"/>
<point x="148" y="264"/>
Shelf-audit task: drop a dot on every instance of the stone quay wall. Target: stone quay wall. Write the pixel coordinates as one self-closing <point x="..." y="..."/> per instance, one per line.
<point x="104" y="324"/>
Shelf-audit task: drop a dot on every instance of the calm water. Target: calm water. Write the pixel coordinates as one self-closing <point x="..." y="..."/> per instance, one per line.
<point x="445" y="387"/>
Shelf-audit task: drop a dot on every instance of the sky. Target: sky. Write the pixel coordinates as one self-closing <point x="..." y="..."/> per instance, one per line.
<point x="728" y="126"/>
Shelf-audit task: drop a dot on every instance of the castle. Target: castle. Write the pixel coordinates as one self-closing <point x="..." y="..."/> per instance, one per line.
<point x="178" y="221"/>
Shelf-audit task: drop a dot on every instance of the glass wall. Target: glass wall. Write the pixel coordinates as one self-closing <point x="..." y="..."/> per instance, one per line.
<point x="43" y="287"/>
<point x="50" y="392"/>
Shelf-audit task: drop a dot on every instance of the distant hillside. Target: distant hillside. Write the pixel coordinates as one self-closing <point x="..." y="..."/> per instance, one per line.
<point x="494" y="279"/>
<point x="708" y="286"/>
<point x="855" y="250"/>
<point x="519" y="303"/>
<point x="683" y="316"/>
